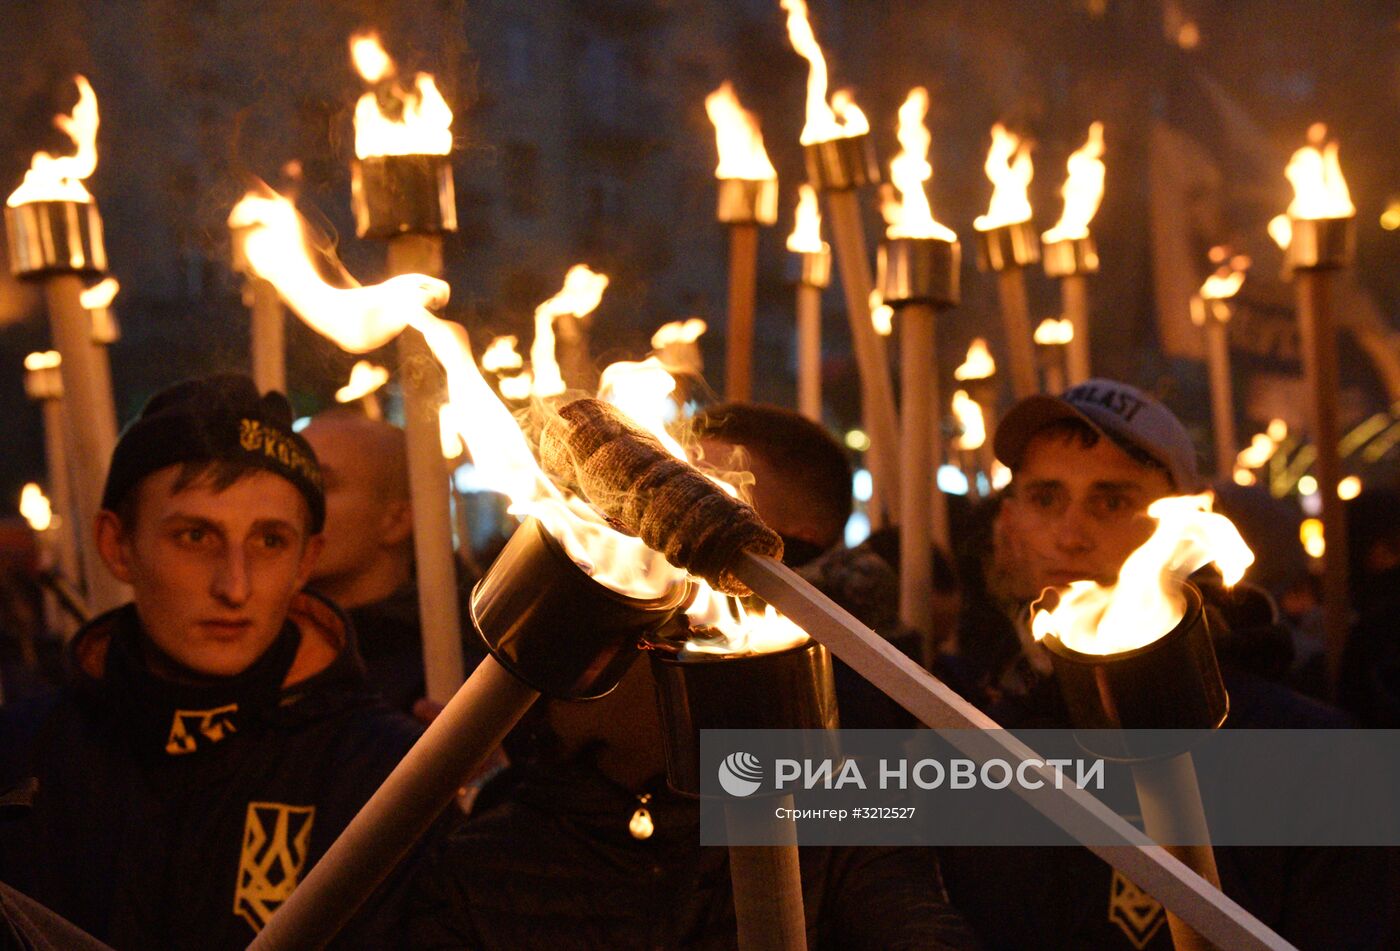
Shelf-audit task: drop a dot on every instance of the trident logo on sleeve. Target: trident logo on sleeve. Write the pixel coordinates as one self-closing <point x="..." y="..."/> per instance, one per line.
<point x="276" y="838"/>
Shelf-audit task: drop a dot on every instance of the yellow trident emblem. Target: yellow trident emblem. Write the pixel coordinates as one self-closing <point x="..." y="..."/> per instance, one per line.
<point x="1136" y="913"/>
<point x="276" y="838"/>
<point x="188" y="726"/>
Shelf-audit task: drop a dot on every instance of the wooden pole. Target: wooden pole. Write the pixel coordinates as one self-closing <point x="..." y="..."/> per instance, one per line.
<point x="1319" y="344"/>
<point x="923" y="517"/>
<point x="455" y="744"/>
<point x="876" y="389"/>
<point x="1222" y="397"/>
<point x="971" y="731"/>
<point x="575" y="355"/>
<point x="423" y="387"/>
<point x="1172" y="814"/>
<point x="767" y="883"/>
<point x="65" y="533"/>
<point x="809" y="351"/>
<point x="94" y="429"/>
<point x="1074" y="297"/>
<point x="1016" y="318"/>
<point x="743" y="297"/>
<point x="1055" y="371"/>
<point x="268" y="335"/>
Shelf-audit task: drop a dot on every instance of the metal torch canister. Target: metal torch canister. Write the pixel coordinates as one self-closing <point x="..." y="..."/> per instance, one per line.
<point x="401" y="194"/>
<point x="551" y="625"/>
<point x="1015" y="245"/>
<point x="1171" y="684"/>
<point x="55" y="237"/>
<point x="842" y="164"/>
<point x="1071" y="256"/>
<point x="1320" y="244"/>
<point x="747" y="201"/>
<point x="789" y="689"/>
<point x="919" y="270"/>
<point x="809" y="269"/>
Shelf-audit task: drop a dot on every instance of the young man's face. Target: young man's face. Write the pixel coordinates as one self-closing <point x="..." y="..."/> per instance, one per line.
<point x="212" y="571"/>
<point x="1077" y="512"/>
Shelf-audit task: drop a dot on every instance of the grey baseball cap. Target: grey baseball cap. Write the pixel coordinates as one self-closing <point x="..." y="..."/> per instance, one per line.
<point x="1123" y="413"/>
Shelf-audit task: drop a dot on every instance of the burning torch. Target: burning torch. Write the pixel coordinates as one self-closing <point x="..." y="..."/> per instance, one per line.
<point x="1052" y="340"/>
<point x="401" y="189"/>
<point x="363" y="386"/>
<point x="1138" y="656"/>
<point x="1318" y="237"/>
<point x="840" y="159"/>
<point x="919" y="266"/>
<point x="748" y="197"/>
<point x="43" y="383"/>
<point x="682" y="527"/>
<point x="978" y="373"/>
<point x="975" y="449"/>
<point x="1007" y="244"/>
<point x="814" y="262"/>
<point x="1069" y="252"/>
<point x="1210" y="309"/>
<point x="55" y="237"/>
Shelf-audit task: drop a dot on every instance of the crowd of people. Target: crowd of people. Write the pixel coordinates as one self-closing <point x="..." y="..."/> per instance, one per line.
<point x="196" y="751"/>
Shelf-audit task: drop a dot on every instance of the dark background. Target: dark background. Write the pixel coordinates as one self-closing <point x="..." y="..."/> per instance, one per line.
<point x="582" y="136"/>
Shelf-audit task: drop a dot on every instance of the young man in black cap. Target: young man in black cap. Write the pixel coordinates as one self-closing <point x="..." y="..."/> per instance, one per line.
<point x="217" y="733"/>
<point x="1085" y="466"/>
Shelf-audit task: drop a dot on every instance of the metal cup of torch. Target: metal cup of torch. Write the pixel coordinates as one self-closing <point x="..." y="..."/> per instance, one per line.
<point x="918" y="277"/>
<point x="533" y="591"/>
<point x="837" y="167"/>
<point x="1172" y="683"/>
<point x="790" y="689"/>
<point x="402" y="194"/>
<point x="1007" y="250"/>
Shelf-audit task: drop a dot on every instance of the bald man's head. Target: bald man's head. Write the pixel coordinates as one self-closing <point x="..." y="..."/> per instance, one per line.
<point x="369" y="519"/>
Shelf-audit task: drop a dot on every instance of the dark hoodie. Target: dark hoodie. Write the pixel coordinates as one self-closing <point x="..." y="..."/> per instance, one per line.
<point x="174" y="815"/>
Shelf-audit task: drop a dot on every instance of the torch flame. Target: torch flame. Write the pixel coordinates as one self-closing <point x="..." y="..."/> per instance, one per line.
<point x="881" y="314"/>
<point x="1277" y="430"/>
<point x="1009" y="168"/>
<point x="1227" y="279"/>
<point x="1052" y="332"/>
<point x="737" y="136"/>
<point x="1260" y="449"/>
<point x="841" y="119"/>
<point x="365" y="378"/>
<point x="516" y="387"/>
<point x="424" y="125"/>
<point x="42" y="360"/>
<point x="969" y="415"/>
<point x="678" y="331"/>
<point x="60" y="177"/>
<point x="1311" y="535"/>
<point x="35" y="508"/>
<point x="100" y="295"/>
<point x="1319" y="189"/>
<point x="502" y="355"/>
<point x="979" y="363"/>
<point x="1146" y="602"/>
<point x="580" y="296"/>
<point x="450" y="425"/>
<point x="806" y="237"/>
<point x="909" y="169"/>
<point x="1082" y="191"/>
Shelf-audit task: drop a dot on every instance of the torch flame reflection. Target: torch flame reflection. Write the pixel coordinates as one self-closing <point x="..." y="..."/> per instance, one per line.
<point x="1010" y="170"/>
<point x="60" y="177"/>
<point x="35" y="508"/>
<point x="1082" y="191"/>
<point x="737" y="136"/>
<point x="842" y="118"/>
<point x="580" y="296"/>
<point x="1146" y="602"/>
<point x="909" y="169"/>
<point x="979" y="363"/>
<point x="423" y="125"/>
<point x="365" y="378"/>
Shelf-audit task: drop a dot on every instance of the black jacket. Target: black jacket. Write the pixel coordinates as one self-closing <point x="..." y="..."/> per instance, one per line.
<point x="179" y="816"/>
<point x="552" y="865"/>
